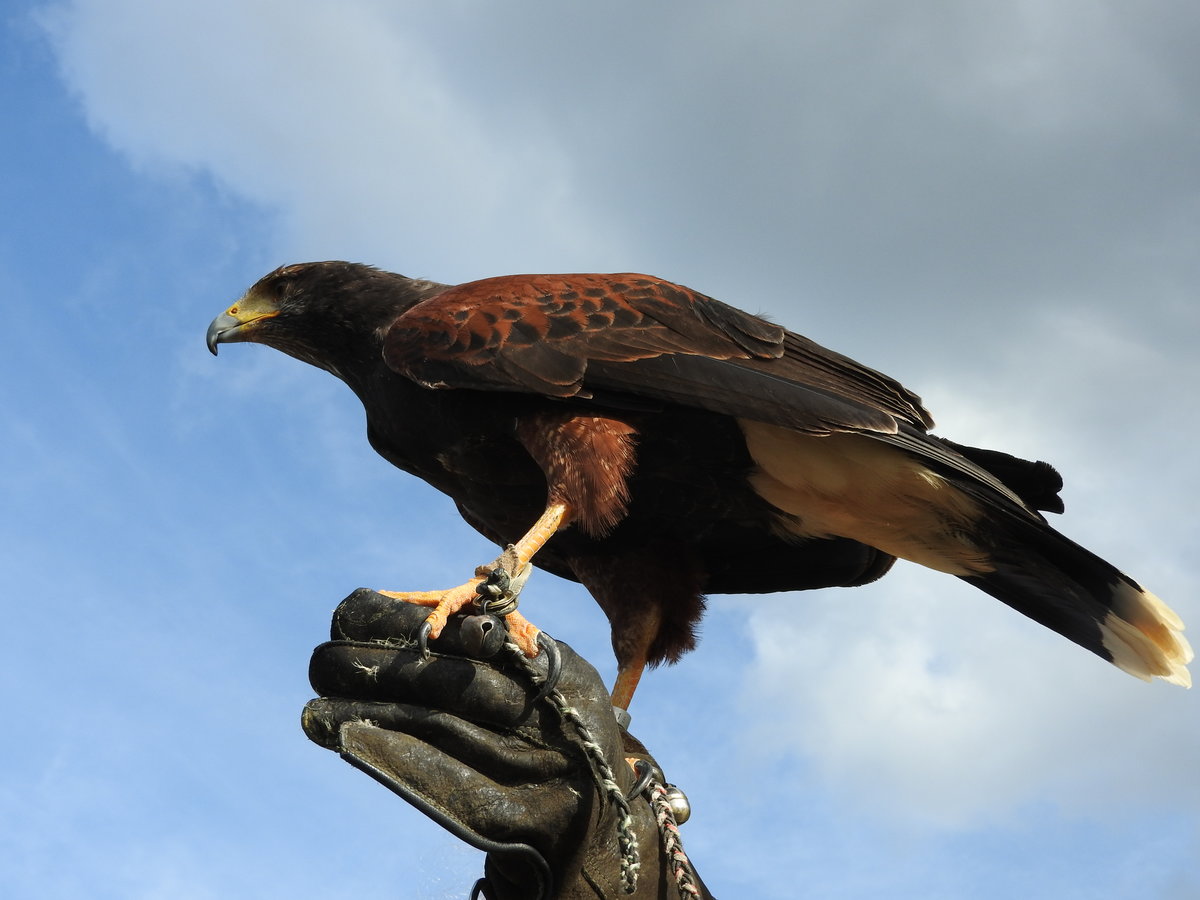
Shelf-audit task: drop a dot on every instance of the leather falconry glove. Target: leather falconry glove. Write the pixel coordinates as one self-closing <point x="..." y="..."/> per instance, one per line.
<point x="463" y="736"/>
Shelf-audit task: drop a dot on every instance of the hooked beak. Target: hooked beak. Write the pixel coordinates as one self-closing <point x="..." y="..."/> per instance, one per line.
<point x="240" y="321"/>
<point x="222" y="330"/>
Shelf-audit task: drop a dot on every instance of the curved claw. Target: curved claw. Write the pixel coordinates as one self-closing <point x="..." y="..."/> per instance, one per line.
<point x="644" y="770"/>
<point x="423" y="634"/>
<point x="553" y="665"/>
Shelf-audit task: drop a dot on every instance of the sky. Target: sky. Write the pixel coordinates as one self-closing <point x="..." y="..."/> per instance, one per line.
<point x="997" y="203"/>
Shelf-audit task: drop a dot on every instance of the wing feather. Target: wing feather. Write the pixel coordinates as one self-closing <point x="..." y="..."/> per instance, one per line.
<point x="632" y="338"/>
<point x="722" y="386"/>
<point x="559" y="334"/>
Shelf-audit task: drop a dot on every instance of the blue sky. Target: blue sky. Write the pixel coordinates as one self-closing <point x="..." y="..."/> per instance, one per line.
<point x="997" y="203"/>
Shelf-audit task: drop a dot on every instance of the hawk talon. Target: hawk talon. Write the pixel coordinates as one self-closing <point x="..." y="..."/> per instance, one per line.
<point x="646" y="773"/>
<point x="423" y="634"/>
<point x="549" y="646"/>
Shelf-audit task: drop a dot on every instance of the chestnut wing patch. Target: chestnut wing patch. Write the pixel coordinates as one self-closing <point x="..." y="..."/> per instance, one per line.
<point x="627" y="334"/>
<point x="537" y="333"/>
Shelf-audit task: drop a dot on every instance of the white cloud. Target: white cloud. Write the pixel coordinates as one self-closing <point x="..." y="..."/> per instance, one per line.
<point x="1042" y="71"/>
<point x="868" y="150"/>
<point x="335" y="115"/>
<point x="935" y="703"/>
<point x="925" y="697"/>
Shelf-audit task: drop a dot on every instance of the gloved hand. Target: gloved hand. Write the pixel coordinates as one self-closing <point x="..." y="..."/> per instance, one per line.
<point x="467" y="742"/>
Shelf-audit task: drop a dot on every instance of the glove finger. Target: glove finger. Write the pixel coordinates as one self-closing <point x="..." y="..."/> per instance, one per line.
<point x="367" y="615"/>
<point x="500" y="757"/>
<point x="475" y="690"/>
<point x="509" y="814"/>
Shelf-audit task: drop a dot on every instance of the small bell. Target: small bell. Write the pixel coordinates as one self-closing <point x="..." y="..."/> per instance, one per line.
<point x="678" y="801"/>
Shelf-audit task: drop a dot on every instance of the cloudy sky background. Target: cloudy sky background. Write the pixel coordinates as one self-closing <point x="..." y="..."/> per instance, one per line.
<point x="998" y="203"/>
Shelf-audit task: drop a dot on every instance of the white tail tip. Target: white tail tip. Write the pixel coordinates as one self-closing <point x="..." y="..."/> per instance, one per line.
<point x="1145" y="637"/>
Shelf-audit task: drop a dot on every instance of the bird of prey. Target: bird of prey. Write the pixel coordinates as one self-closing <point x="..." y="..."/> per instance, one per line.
<point x="657" y="445"/>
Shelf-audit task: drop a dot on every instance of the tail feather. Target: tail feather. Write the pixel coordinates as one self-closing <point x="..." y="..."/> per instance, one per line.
<point x="912" y="496"/>
<point x="1056" y="582"/>
<point x="1144" y="636"/>
<point x="1036" y="483"/>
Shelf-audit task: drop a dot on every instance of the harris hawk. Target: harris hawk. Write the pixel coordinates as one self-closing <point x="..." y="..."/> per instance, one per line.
<point x="657" y="445"/>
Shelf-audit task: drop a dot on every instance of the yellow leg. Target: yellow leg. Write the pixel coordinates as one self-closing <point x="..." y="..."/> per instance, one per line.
<point x="556" y="516"/>
<point x="628" y="676"/>
<point x="447" y="603"/>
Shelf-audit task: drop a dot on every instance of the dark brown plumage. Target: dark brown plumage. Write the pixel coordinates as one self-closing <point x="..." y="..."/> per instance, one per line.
<point x="669" y="445"/>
